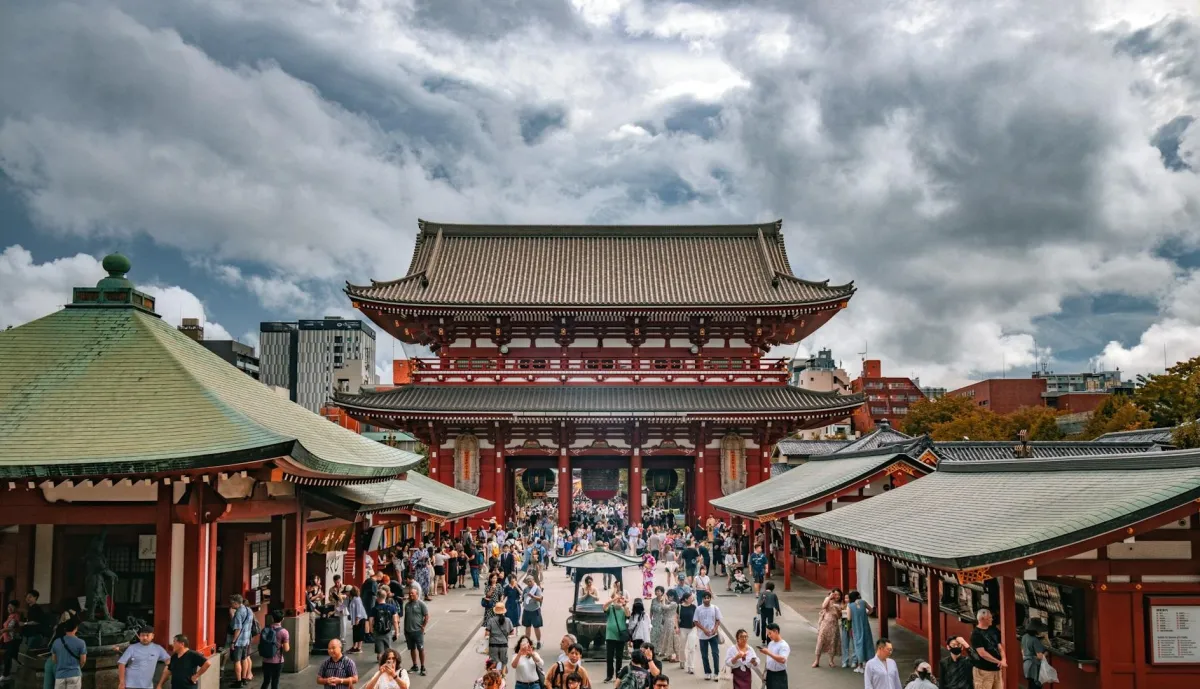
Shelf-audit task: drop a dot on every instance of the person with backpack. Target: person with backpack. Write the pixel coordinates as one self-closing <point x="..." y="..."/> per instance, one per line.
<point x="557" y="675"/>
<point x="273" y="642"/>
<point x="383" y="623"/>
<point x="70" y="655"/>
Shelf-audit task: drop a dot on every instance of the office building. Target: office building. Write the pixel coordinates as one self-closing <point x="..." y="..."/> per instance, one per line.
<point x="820" y="373"/>
<point x="314" y="358"/>
<point x="888" y="398"/>
<point x="239" y="355"/>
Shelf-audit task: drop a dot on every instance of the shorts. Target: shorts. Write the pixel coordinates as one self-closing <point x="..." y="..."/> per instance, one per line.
<point x="532" y="618"/>
<point x="415" y="641"/>
<point x="239" y="653"/>
<point x="759" y="577"/>
<point x="360" y="631"/>
<point x="381" y="642"/>
<point x="68" y="683"/>
<point x="496" y="653"/>
<point x="439" y="570"/>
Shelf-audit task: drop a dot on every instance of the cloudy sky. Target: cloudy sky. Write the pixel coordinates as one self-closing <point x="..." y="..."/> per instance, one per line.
<point x="999" y="178"/>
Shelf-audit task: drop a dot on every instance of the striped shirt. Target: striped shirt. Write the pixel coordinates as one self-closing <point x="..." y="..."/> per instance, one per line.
<point x="343" y="667"/>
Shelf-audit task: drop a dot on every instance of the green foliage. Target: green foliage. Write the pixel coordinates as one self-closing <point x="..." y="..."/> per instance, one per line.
<point x="955" y="418"/>
<point x="1173" y="397"/>
<point x="1117" y="413"/>
<point x="1186" y="436"/>
<point x="925" y="414"/>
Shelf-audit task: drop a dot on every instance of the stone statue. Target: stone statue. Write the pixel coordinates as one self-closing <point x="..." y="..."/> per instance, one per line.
<point x="100" y="580"/>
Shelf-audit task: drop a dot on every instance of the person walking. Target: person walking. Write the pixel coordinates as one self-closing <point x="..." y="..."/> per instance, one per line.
<point x="860" y="629"/>
<point x="135" y="667"/>
<point x="531" y="614"/>
<point x="758" y="567"/>
<point x="338" y="670"/>
<point x="687" y="643"/>
<point x="924" y="678"/>
<point x="10" y="637"/>
<point x="828" y="638"/>
<point x="664" y="622"/>
<point x="708" y="632"/>
<point x="241" y="625"/>
<point x="1033" y="650"/>
<point x="616" y="632"/>
<point x="512" y="600"/>
<point x="416" y="619"/>
<point x="988" y="658"/>
<point x="358" y="619"/>
<point x="527" y="665"/>
<point x="740" y="658"/>
<point x="498" y="627"/>
<point x="777" y="652"/>
<point x="69" y="653"/>
<point x="639" y="624"/>
<point x="557" y="675"/>
<point x="768" y="607"/>
<point x="881" y="672"/>
<point x="384" y="623"/>
<point x="273" y="642"/>
<point x="185" y="666"/>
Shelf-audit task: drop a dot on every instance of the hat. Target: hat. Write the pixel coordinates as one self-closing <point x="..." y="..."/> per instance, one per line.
<point x="499" y="608"/>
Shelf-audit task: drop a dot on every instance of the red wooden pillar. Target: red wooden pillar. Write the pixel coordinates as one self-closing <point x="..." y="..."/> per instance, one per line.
<point x="883" y="571"/>
<point x="635" y="487"/>
<point x="564" y="488"/>
<point x="199" y="585"/>
<point x="933" y="619"/>
<point x="844" y="574"/>
<point x="501" y="492"/>
<point x="700" y="498"/>
<point x="293" y="561"/>
<point x="753" y="470"/>
<point x="361" y="531"/>
<point x="1008" y="633"/>
<point x="162" y="566"/>
<point x="787" y="552"/>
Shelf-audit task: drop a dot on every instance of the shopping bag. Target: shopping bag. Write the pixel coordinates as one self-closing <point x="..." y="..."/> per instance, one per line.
<point x="1047" y="674"/>
<point x="725" y="677"/>
<point x="482" y="647"/>
<point x="758" y="626"/>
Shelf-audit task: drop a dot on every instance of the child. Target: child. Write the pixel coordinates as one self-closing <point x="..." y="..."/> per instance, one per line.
<point x="740" y="583"/>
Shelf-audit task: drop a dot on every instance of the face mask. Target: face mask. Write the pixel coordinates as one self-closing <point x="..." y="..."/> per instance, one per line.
<point x="955" y="651"/>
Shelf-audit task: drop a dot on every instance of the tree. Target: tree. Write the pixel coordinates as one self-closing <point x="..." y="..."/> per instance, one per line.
<point x="1041" y="422"/>
<point x="1117" y="413"/>
<point x="1173" y="397"/>
<point x="1186" y="436"/>
<point x="977" y="424"/>
<point x="923" y="415"/>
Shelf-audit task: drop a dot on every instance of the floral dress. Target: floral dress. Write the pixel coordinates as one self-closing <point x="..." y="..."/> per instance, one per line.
<point x="828" y="630"/>
<point x="662" y="628"/>
<point x="493" y="593"/>
<point x="648" y="576"/>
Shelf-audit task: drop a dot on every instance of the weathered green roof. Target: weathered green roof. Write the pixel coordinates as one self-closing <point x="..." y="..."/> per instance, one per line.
<point x="812" y="480"/>
<point x="380" y="436"/>
<point x="976" y="514"/>
<point x="599" y="558"/>
<point x="99" y="390"/>
<point x="417" y="492"/>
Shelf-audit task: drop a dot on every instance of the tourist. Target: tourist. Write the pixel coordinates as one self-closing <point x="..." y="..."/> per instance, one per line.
<point x="338" y="669"/>
<point x="185" y="666"/>
<point x="768" y="607"/>
<point x="686" y="637"/>
<point x="988" y="658"/>
<point x="860" y="629"/>
<point x="384" y="623"/>
<point x="135" y="667"/>
<point x="241" y="624"/>
<point x="273" y="642"/>
<point x="777" y="652"/>
<point x="508" y="562"/>
<point x="828" y="638"/>
<point x="701" y="582"/>
<point x="358" y="619"/>
<point x="923" y="677"/>
<point x="881" y="672"/>
<point x="490" y="680"/>
<point x="1033" y="650"/>
<point x="740" y="658"/>
<point x="956" y="671"/>
<point x="512" y="599"/>
<point x="492" y="594"/>
<point x="10" y="637"/>
<point x="639" y="624"/>
<point x="531" y="614"/>
<point x="370" y="587"/>
<point x="420" y="567"/>
<point x="662" y="682"/>
<point x="564" y="646"/>
<point x="390" y="674"/>
<point x="498" y="627"/>
<point x="536" y="567"/>
<point x="669" y="563"/>
<point x="708" y="633"/>
<point x="474" y="562"/>
<point x="416" y="619"/>
<point x="638" y="671"/>
<point x="440" y="558"/>
<point x="70" y="655"/>
<point x="648" y="563"/>
<point x="527" y="665"/>
<point x="846" y="638"/>
<point x="664" y="621"/>
<point x="758" y="567"/>
<point x="616" y="628"/>
<point x="690" y="555"/>
<point x="655" y="542"/>
<point x="572" y="663"/>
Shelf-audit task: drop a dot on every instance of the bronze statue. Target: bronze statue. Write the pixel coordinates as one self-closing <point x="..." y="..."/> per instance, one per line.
<point x="100" y="580"/>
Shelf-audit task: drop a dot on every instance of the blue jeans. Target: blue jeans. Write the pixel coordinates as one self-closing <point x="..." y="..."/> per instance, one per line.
<point x="706" y="644"/>
<point x="475" y="577"/>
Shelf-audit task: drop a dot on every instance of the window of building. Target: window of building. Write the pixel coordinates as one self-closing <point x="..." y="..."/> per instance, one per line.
<point x="900" y="410"/>
<point x="878" y="410"/>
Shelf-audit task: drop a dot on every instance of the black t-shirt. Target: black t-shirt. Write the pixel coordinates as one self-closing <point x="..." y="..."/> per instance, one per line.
<point x="183" y="667"/>
<point x="956" y="674"/>
<point x="989" y="640"/>
<point x="687" y="613"/>
<point x="690" y="555"/>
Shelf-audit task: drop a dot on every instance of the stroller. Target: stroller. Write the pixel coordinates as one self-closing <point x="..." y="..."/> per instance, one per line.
<point x="740" y="583"/>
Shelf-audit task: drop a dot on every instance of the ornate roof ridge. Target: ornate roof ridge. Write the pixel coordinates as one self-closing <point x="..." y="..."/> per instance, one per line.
<point x="571" y="231"/>
<point x="1131" y="461"/>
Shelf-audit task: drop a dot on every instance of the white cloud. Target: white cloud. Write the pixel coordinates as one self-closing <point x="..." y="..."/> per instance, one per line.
<point x="31" y="290"/>
<point x="174" y="304"/>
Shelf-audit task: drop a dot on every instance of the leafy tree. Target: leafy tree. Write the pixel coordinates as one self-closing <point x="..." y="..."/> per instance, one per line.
<point x="1039" y="421"/>
<point x="1173" y="397"/>
<point x="1117" y="413"/>
<point x="1186" y="436"/>
<point x="977" y="424"/>
<point x="925" y="414"/>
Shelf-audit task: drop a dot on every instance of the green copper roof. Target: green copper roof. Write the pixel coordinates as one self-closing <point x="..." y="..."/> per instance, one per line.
<point x="417" y="492"/>
<point x="976" y="514"/>
<point x="101" y="390"/>
<point x="812" y="480"/>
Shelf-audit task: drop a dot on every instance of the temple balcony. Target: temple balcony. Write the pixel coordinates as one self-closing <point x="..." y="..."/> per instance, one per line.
<point x="551" y="370"/>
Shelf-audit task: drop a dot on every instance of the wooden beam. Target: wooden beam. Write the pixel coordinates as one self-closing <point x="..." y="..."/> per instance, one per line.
<point x="79" y="513"/>
<point x="258" y="509"/>
<point x="1100" y="568"/>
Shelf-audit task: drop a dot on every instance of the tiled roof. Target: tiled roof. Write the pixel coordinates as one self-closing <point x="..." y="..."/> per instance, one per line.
<point x="975" y="450"/>
<point x="621" y="400"/>
<point x="139" y="397"/>
<point x="975" y="514"/>
<point x="598" y="558"/>
<point x="490" y="265"/>
<point x="809" y="482"/>
<point x="1145" y="435"/>
<point x="882" y="436"/>
<point x="793" y="447"/>
<point x="416" y="492"/>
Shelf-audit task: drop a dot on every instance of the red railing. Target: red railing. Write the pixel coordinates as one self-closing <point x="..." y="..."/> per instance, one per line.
<point x="599" y="367"/>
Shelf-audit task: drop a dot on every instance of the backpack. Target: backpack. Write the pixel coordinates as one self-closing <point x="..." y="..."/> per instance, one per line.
<point x="268" y="645"/>
<point x="383" y="623"/>
<point x="255" y="629"/>
<point x="633" y="679"/>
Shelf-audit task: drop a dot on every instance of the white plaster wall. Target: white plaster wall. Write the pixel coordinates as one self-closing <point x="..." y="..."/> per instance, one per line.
<point x="655" y="342"/>
<point x="120" y="492"/>
<point x="176" y="613"/>
<point x="1170" y="579"/>
<point x="1150" y="550"/>
<point x="43" y="561"/>
<point x="520" y="342"/>
<point x="544" y="342"/>
<point x="615" y="342"/>
<point x="866" y="576"/>
<point x="586" y="342"/>
<point x="739" y="342"/>
<point x="462" y="342"/>
<point x="680" y="342"/>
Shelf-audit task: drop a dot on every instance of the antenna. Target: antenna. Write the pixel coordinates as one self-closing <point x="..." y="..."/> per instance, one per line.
<point x="863" y="353"/>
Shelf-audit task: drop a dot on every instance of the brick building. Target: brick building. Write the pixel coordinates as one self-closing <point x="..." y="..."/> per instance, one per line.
<point x="887" y="398"/>
<point x="1004" y="395"/>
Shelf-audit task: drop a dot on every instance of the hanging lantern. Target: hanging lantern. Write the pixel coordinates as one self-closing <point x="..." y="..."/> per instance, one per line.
<point x="538" y="481"/>
<point x="662" y="481"/>
<point x="600" y="484"/>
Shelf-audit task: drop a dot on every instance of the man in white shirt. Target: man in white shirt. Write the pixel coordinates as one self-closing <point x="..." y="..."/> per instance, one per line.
<point x="881" y="671"/>
<point x="707" y="621"/>
<point x="777" y="652"/>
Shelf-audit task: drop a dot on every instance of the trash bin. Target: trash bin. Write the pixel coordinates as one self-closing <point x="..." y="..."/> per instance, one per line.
<point x="327" y="629"/>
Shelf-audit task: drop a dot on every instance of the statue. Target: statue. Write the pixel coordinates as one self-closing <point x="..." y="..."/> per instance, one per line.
<point x="100" y="580"/>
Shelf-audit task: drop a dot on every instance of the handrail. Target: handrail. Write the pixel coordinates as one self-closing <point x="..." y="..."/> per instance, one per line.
<point x="601" y="364"/>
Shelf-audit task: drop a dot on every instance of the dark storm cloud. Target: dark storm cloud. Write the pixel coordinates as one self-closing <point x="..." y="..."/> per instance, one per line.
<point x="538" y="122"/>
<point x="1166" y="140"/>
<point x="494" y="19"/>
<point x="692" y="117"/>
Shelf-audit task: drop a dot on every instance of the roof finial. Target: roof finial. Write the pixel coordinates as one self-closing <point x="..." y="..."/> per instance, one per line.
<point x="117" y="266"/>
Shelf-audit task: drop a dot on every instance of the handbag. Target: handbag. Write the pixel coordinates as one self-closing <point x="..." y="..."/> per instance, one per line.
<point x="758" y="626"/>
<point x="623" y="631"/>
<point x="482" y="646"/>
<point x="541" y="675"/>
<point x="1047" y="674"/>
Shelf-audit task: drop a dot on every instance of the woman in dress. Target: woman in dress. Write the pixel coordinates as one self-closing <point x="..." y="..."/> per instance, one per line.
<point x="390" y="674"/>
<point x="451" y="567"/>
<point x="639" y="624"/>
<point x="740" y="658"/>
<point x="860" y="629"/>
<point x="670" y="563"/>
<point x="648" y="563"/>
<point x="420" y="569"/>
<point x="664" y="620"/>
<point x="494" y="593"/>
<point x="828" y="637"/>
<point x="512" y="599"/>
